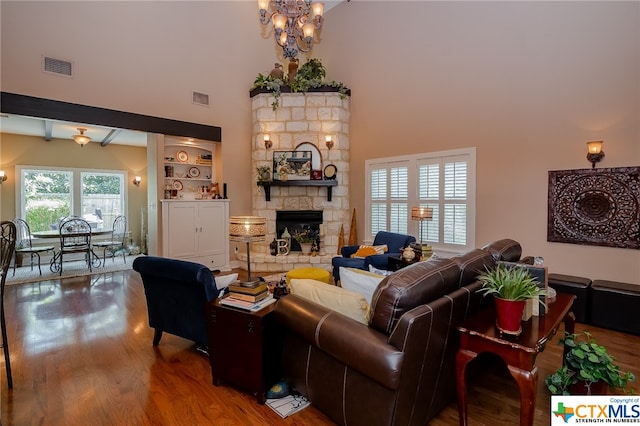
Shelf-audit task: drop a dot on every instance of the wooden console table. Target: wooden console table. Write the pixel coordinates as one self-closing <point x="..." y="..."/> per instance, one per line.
<point x="479" y="334"/>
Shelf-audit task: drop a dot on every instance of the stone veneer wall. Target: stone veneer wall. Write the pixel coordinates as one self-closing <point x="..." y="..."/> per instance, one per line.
<point x="301" y="118"/>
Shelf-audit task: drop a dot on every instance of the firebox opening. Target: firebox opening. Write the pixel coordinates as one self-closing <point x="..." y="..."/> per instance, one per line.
<point x="298" y="221"/>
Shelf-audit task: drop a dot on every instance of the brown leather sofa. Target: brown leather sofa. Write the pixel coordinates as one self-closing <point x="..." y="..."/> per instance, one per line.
<point x="400" y="368"/>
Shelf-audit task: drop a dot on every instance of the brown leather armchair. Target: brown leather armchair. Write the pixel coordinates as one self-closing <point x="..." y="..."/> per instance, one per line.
<point x="400" y="368"/>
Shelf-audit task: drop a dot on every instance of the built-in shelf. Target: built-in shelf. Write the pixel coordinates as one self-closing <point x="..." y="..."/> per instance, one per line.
<point x="327" y="183"/>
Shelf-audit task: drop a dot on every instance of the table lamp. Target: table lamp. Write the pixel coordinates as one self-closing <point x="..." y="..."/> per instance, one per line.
<point x="421" y="214"/>
<point x="247" y="229"/>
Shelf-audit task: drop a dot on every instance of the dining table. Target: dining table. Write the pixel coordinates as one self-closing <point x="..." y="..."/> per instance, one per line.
<point x="55" y="233"/>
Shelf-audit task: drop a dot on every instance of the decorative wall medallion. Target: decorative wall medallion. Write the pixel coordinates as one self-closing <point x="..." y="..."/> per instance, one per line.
<point x="595" y="207"/>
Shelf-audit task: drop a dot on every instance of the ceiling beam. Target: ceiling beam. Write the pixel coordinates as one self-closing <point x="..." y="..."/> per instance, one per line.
<point x="12" y="103"/>
<point x="48" y="130"/>
<point x="110" y="137"/>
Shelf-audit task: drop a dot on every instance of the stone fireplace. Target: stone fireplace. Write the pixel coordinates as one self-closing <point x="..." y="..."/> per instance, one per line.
<point x="301" y="118"/>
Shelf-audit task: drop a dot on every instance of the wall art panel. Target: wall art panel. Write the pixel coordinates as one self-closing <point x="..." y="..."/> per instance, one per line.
<point x="595" y="207"/>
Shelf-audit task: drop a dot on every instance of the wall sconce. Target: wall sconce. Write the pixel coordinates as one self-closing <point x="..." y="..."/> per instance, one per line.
<point x="267" y="142"/>
<point x="328" y="141"/>
<point x="595" y="153"/>
<point x="3" y="176"/>
<point x="137" y="180"/>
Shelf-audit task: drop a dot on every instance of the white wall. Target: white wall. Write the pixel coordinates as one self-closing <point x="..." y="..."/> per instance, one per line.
<point x="527" y="83"/>
<point x="147" y="58"/>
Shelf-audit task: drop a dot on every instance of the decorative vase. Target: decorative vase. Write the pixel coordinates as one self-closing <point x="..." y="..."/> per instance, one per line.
<point x="509" y="315"/>
<point x="277" y="71"/>
<point x="293" y="70"/>
<point x="306" y="248"/>
<point x="408" y="254"/>
<point x="264" y="176"/>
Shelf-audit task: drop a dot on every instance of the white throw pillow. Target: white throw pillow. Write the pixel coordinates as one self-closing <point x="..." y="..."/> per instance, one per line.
<point x="360" y="281"/>
<point x="348" y="303"/>
<point x="375" y="270"/>
<point x="223" y="281"/>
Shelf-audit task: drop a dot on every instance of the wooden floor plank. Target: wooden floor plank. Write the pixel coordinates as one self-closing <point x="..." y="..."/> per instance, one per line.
<point x="81" y="354"/>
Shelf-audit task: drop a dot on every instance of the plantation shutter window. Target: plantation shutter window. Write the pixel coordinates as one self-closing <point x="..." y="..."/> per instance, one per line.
<point x="443" y="181"/>
<point x="388" y="199"/>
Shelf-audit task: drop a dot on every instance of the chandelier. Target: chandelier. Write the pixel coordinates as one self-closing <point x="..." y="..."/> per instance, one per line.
<point x="292" y="23"/>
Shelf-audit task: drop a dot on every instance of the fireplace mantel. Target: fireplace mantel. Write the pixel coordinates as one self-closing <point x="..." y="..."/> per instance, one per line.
<point x="267" y="186"/>
<point x="287" y="89"/>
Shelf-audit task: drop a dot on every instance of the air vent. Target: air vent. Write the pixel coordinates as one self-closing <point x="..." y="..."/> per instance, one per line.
<point x="200" y="98"/>
<point x="57" y="66"/>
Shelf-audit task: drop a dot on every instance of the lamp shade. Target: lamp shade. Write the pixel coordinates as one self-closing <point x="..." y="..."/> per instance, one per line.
<point x="594" y="147"/>
<point x="421" y="213"/>
<point x="247" y="228"/>
<point x="81" y="139"/>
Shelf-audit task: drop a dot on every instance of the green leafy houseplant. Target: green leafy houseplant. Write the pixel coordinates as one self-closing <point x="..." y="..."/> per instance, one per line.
<point x="510" y="283"/>
<point x="305" y="236"/>
<point x="587" y="362"/>
<point x="511" y="287"/>
<point x="311" y="74"/>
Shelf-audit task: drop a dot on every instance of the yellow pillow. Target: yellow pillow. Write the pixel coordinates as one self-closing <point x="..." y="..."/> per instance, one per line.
<point x="364" y="251"/>
<point x="348" y="303"/>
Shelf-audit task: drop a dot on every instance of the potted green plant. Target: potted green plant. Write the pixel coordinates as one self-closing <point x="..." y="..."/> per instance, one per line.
<point x="305" y="238"/>
<point x="264" y="173"/>
<point x="311" y="74"/>
<point x="511" y="287"/>
<point x="588" y="368"/>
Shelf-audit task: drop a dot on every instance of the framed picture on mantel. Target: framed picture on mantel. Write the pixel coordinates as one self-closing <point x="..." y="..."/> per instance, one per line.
<point x="291" y="165"/>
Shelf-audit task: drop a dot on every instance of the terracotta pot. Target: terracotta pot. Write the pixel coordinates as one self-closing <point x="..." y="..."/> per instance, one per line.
<point x="597" y="388"/>
<point x="305" y="248"/>
<point x="509" y="315"/>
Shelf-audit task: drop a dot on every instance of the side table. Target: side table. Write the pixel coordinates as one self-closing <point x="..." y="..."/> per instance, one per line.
<point x="479" y="334"/>
<point x="395" y="263"/>
<point x="243" y="348"/>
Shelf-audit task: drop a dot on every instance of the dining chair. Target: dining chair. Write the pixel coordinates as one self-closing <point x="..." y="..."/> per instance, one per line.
<point x="7" y="248"/>
<point x="24" y="245"/>
<point x="75" y="237"/>
<point x="116" y="242"/>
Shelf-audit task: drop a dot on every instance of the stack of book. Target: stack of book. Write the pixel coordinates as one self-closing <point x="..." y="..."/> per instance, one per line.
<point x="249" y="298"/>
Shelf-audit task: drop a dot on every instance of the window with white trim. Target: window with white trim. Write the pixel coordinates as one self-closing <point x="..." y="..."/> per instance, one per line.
<point x="443" y="181"/>
<point x="46" y="195"/>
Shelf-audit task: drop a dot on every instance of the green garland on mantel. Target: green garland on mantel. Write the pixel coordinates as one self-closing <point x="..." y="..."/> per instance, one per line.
<point x="310" y="75"/>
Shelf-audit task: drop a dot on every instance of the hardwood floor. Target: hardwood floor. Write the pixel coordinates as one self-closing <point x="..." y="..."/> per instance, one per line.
<point x="81" y="354"/>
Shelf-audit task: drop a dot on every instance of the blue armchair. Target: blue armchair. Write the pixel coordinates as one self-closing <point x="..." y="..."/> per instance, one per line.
<point x="395" y="243"/>
<point x="177" y="292"/>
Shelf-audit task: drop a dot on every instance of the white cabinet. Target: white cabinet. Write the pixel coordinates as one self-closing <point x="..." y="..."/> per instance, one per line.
<point x="197" y="231"/>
